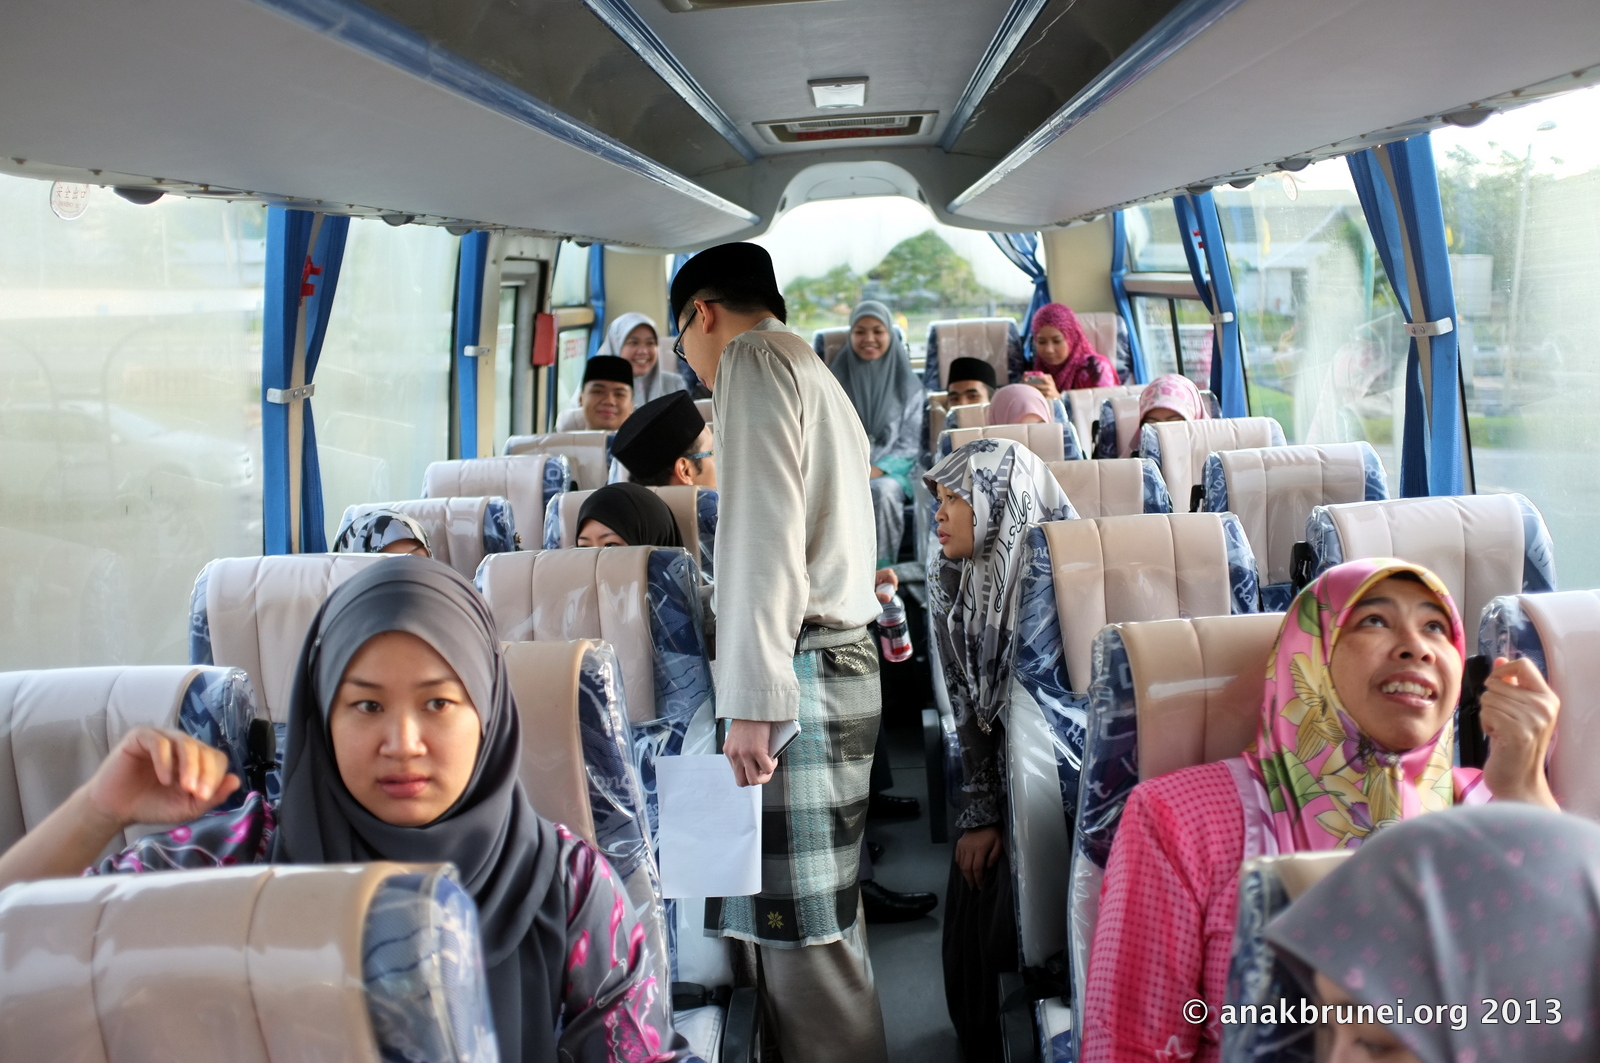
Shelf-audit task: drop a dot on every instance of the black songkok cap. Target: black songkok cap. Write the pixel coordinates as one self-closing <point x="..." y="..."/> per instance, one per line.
<point x="608" y="367"/>
<point x="971" y="369"/>
<point x="658" y="433"/>
<point x="739" y="272"/>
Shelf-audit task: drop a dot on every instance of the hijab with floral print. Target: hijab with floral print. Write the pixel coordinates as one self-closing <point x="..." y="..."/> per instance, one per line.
<point x="975" y="599"/>
<point x="368" y="531"/>
<point x="1326" y="785"/>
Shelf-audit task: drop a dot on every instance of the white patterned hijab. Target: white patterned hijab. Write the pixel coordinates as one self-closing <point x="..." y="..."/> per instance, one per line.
<point x="975" y="600"/>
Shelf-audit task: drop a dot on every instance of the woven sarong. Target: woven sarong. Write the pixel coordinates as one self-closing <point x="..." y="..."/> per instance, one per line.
<point x="814" y="810"/>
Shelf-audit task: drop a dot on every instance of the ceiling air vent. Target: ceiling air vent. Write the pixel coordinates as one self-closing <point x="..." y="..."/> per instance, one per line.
<point x="852" y="127"/>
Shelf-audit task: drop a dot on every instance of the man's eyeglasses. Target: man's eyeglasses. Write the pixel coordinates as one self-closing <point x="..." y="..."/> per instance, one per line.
<point x="677" y="344"/>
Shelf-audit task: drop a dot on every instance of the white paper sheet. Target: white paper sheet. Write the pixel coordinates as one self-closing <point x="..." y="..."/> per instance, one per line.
<point x="710" y="837"/>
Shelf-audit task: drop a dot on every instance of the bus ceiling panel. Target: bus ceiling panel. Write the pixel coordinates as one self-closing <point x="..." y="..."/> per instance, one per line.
<point x="1220" y="87"/>
<point x="755" y="61"/>
<point x="560" y="52"/>
<point x="357" y="111"/>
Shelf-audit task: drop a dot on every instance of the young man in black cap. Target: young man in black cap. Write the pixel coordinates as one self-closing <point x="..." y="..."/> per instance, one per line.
<point x="794" y="560"/>
<point x="667" y="443"/>
<point x="606" y="398"/>
<point x="971" y="381"/>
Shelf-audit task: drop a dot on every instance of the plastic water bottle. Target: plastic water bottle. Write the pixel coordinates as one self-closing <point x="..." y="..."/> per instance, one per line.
<point x="894" y="638"/>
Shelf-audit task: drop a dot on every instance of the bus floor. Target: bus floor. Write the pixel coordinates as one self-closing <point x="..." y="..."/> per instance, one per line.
<point x="906" y="959"/>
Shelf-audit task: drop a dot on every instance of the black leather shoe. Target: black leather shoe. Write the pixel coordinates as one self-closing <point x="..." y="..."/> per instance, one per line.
<point x="874" y="852"/>
<point x="887" y="906"/>
<point x="887" y="806"/>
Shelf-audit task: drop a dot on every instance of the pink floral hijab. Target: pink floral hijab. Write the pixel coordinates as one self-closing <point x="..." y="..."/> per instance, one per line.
<point x="1318" y="782"/>
<point x="1176" y="392"/>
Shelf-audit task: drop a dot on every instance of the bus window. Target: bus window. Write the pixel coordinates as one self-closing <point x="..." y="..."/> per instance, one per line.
<point x="505" y="345"/>
<point x="130" y="418"/>
<point x="1167" y="323"/>
<point x="831" y="255"/>
<point x="1324" y="340"/>
<point x="570" y="286"/>
<point x="569" y="298"/>
<point x="383" y="382"/>
<point x="1519" y="195"/>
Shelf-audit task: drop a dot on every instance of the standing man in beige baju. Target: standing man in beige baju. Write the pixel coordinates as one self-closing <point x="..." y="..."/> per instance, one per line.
<point x="794" y="561"/>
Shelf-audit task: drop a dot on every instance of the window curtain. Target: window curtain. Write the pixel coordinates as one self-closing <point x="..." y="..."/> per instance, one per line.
<point x="304" y="252"/>
<point x="469" y="329"/>
<point x="1119" y="292"/>
<point x="597" y="296"/>
<point x="1023" y="251"/>
<point x="1201" y="232"/>
<point x="1399" y="191"/>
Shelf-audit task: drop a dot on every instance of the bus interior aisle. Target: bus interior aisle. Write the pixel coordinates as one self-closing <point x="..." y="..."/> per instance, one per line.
<point x="397" y="347"/>
<point x="906" y="956"/>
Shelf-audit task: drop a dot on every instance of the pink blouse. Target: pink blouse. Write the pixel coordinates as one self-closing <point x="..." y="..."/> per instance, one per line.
<point x="1165" y="931"/>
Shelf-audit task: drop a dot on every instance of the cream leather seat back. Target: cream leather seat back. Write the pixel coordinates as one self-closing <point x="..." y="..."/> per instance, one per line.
<point x="936" y="415"/>
<point x="1051" y="442"/>
<point x="1113" y="570"/>
<point x="1083" y="404"/>
<point x="460" y="530"/>
<point x="683" y="501"/>
<point x="1100" y="329"/>
<point x="989" y="339"/>
<point x="644" y="603"/>
<point x="828" y="342"/>
<point x="1077" y="577"/>
<point x="973" y="415"/>
<point x="1273" y="491"/>
<point x="350" y="963"/>
<point x="563" y="595"/>
<point x="527" y="481"/>
<point x="589" y="453"/>
<point x="1560" y="632"/>
<point x="1119" y="427"/>
<point x="1165" y="695"/>
<point x="1481" y="546"/>
<point x="253" y="613"/>
<point x="704" y="406"/>
<point x="578" y="765"/>
<point x="1112" y="487"/>
<point x="1181" y="447"/>
<point x="58" y="725"/>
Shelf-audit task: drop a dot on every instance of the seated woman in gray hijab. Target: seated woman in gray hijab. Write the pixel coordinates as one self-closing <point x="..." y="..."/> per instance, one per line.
<point x="403" y="744"/>
<point x="875" y="371"/>
<point x="382" y="531"/>
<point x="1467" y="934"/>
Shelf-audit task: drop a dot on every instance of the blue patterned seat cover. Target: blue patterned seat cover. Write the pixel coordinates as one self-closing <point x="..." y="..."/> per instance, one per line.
<point x="1257" y="976"/>
<point x="422" y="965"/>
<point x="616" y="800"/>
<point x="1275" y="597"/>
<point x="558" y="478"/>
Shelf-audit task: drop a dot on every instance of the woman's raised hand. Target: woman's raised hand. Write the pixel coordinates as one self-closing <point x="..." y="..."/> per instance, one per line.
<point x="1518" y="714"/>
<point x="1045" y="383"/>
<point x="159" y="776"/>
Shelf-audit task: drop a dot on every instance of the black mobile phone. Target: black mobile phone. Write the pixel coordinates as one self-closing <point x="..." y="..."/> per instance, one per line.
<point x="1471" y="744"/>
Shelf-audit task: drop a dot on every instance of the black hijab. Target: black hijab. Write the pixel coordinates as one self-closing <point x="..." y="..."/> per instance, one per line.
<point x="507" y="856"/>
<point x="635" y="513"/>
